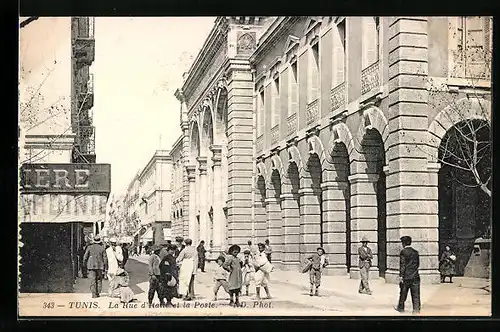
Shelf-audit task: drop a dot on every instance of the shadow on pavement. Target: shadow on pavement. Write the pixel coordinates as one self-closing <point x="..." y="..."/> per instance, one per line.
<point x="138" y="273"/>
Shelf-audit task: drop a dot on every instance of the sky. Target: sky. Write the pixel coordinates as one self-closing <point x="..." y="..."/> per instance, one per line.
<point x="138" y="65"/>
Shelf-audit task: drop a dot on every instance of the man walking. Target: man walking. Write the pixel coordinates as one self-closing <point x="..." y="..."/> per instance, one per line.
<point x="96" y="261"/>
<point x="115" y="258"/>
<point x="365" y="262"/>
<point x="409" y="278"/>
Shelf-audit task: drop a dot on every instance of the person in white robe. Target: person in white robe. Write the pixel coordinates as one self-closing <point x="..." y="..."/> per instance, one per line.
<point x="188" y="261"/>
<point x="115" y="257"/>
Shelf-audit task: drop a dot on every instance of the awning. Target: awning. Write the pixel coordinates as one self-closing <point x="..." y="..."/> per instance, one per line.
<point x="148" y="236"/>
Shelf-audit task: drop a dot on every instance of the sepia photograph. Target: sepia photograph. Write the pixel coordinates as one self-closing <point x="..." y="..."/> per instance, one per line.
<point x="255" y="166"/>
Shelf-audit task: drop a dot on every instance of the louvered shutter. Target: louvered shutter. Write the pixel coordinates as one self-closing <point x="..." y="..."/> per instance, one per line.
<point x="369" y="41"/>
<point x="294" y="83"/>
<point x="474" y="47"/>
<point x="339" y="55"/>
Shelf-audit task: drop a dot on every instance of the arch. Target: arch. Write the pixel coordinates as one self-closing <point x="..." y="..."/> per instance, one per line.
<point x="276" y="165"/>
<point x="295" y="157"/>
<point x="220" y="113"/>
<point x="315" y="146"/>
<point x="261" y="170"/>
<point x="477" y="109"/>
<point x="207" y="132"/>
<point x="341" y="134"/>
<point x="194" y="140"/>
<point x="374" y="118"/>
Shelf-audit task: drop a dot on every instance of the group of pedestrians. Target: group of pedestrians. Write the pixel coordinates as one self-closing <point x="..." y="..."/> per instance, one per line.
<point x="109" y="261"/>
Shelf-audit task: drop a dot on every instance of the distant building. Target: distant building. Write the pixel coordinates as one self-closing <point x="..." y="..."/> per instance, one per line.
<point x="149" y="198"/>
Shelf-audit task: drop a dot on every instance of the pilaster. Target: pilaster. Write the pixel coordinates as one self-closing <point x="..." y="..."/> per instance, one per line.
<point x="291" y="225"/>
<point x="275" y="229"/>
<point x="218" y="213"/>
<point x="310" y="222"/>
<point x="191" y="176"/>
<point x="202" y="204"/>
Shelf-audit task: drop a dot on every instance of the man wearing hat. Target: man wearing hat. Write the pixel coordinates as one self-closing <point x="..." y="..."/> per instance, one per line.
<point x="365" y="262"/>
<point x="409" y="278"/>
<point x="154" y="274"/>
<point x="115" y="257"/>
<point x="319" y="262"/>
<point x="96" y="261"/>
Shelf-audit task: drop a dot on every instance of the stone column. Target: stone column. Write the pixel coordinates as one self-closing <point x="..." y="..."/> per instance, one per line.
<point x="202" y="204"/>
<point x="191" y="174"/>
<point x="291" y="225"/>
<point x="310" y="219"/>
<point x="260" y="228"/>
<point x="335" y="225"/>
<point x="364" y="220"/>
<point x="412" y="183"/>
<point x="274" y="229"/>
<point x="218" y="216"/>
<point x="240" y="149"/>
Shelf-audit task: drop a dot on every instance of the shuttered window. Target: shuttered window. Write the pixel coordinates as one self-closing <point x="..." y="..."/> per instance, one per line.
<point x="275" y="107"/>
<point x="370" y="41"/>
<point x="339" y="55"/>
<point x="293" y="92"/>
<point x="314" y="73"/>
<point x="471" y="57"/>
<point x="260" y="113"/>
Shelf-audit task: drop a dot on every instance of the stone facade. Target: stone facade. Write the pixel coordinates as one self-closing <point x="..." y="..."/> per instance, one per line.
<point x="328" y="130"/>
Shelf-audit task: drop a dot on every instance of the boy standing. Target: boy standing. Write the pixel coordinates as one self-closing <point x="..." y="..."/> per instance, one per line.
<point x="220" y="277"/>
<point x="248" y="270"/>
<point x="319" y="262"/>
<point x="154" y="275"/>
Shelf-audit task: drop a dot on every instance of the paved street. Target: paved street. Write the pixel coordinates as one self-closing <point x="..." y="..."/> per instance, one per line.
<point x="290" y="296"/>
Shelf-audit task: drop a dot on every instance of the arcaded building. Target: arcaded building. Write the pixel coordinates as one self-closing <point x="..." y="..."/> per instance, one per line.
<point x="318" y="131"/>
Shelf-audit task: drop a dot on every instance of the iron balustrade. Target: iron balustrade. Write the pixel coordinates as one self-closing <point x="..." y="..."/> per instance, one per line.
<point x="312" y="111"/>
<point x="337" y="96"/>
<point x="370" y="78"/>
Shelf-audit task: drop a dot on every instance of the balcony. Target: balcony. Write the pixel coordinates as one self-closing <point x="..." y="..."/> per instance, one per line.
<point x="275" y="134"/>
<point x="84" y="41"/>
<point x="370" y="78"/>
<point x="312" y="111"/>
<point x="291" y="124"/>
<point x="337" y="96"/>
<point x="259" y="144"/>
<point x="86" y="139"/>
<point x="86" y="95"/>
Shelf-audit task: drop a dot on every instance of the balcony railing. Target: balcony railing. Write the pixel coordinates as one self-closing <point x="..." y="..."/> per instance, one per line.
<point x="259" y="144"/>
<point x="291" y="124"/>
<point x="337" y="96"/>
<point x="370" y="78"/>
<point x="312" y="111"/>
<point x="86" y="139"/>
<point x="275" y="134"/>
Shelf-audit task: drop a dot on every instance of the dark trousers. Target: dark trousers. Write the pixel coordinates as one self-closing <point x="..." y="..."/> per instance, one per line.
<point x="83" y="267"/>
<point x="413" y="286"/>
<point x="95" y="282"/>
<point x="201" y="264"/>
<point x="154" y="287"/>
<point x="268" y="257"/>
<point x="191" y="287"/>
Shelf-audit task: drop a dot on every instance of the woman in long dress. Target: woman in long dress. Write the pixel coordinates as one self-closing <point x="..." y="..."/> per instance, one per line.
<point x="169" y="276"/>
<point x="447" y="264"/>
<point x="188" y="260"/>
<point x="119" y="286"/>
<point x="235" y="280"/>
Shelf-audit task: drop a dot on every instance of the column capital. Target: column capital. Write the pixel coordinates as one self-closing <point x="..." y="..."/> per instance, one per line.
<point x="363" y="177"/>
<point x="335" y="185"/>
<point x="202" y="164"/>
<point x="191" y="172"/>
<point x="287" y="196"/>
<point x="272" y="200"/>
<point x="306" y="191"/>
<point x="217" y="154"/>
<point x="433" y="166"/>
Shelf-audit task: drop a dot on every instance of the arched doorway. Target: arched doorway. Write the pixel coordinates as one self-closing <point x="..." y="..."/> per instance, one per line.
<point x="315" y="171"/>
<point x="372" y="147"/>
<point x="340" y="161"/>
<point x="464" y="208"/>
<point x="292" y="221"/>
<point x="275" y="216"/>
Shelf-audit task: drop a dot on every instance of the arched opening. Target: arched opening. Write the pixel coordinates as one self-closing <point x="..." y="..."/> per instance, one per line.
<point x="260" y="223"/>
<point x="373" y="150"/>
<point x="315" y="170"/>
<point x="220" y="138"/>
<point x="340" y="160"/>
<point x="464" y="208"/>
<point x="207" y="180"/>
<point x="275" y="216"/>
<point x="292" y="237"/>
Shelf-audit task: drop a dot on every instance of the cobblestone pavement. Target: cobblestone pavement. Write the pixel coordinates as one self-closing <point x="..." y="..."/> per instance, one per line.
<point x="290" y="297"/>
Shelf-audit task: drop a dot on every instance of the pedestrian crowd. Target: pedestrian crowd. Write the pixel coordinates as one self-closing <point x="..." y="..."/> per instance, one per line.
<point x="173" y="268"/>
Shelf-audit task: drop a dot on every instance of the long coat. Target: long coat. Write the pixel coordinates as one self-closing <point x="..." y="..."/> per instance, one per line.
<point x="446" y="264"/>
<point x="95" y="257"/>
<point x="233" y="265"/>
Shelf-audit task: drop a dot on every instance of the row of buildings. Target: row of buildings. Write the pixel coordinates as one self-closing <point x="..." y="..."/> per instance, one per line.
<point x="313" y="131"/>
<point x="63" y="192"/>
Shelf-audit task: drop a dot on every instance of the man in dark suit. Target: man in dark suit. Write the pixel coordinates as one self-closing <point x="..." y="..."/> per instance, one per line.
<point x="409" y="279"/>
<point x="97" y="262"/>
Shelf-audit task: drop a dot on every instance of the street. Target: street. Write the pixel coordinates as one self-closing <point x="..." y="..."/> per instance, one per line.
<point x="290" y="297"/>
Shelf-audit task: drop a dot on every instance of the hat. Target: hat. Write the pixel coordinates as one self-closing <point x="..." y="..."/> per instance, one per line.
<point x="246" y="252"/>
<point x="321" y="249"/>
<point x="234" y="247"/>
<point x="364" y="239"/>
<point x="155" y="247"/>
<point x="97" y="239"/>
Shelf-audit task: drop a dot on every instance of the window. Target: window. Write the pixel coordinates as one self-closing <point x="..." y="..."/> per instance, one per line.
<point x="293" y="89"/>
<point x="473" y="47"/>
<point x="260" y="113"/>
<point x="370" y="41"/>
<point x="339" y="55"/>
<point x="275" y="119"/>
<point x="314" y="76"/>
